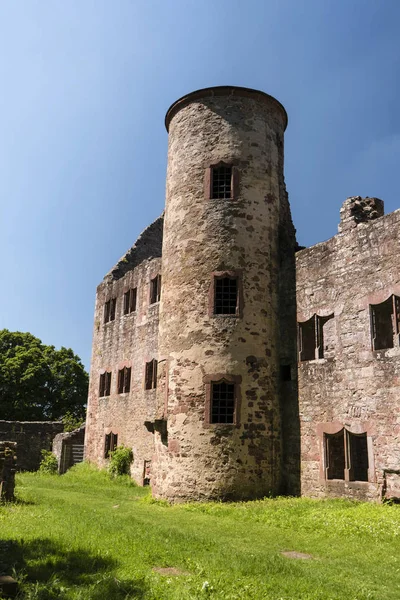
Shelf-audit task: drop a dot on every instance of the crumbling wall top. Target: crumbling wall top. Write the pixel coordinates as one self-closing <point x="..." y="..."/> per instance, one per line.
<point x="357" y="210"/>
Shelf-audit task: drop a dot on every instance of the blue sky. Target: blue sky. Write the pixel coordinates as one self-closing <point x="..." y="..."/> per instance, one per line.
<point x="84" y="90"/>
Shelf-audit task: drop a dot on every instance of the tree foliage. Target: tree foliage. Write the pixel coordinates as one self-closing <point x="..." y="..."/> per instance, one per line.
<point x="38" y="382"/>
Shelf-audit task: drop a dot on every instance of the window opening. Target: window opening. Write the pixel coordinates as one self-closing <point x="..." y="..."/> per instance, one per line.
<point x="105" y="384"/>
<point x="130" y="298"/>
<point x="110" y="443"/>
<point x="311" y="337"/>
<point x="358" y="457"/>
<point x="222" y="402"/>
<point x="226" y="296"/>
<point x="124" y="380"/>
<point x="385" y="323"/>
<point x="221" y="182"/>
<point x="109" y="310"/>
<point x="346" y="456"/>
<point x="286" y="373"/>
<point x="335" y="457"/>
<point x="151" y="375"/>
<point x="155" y="289"/>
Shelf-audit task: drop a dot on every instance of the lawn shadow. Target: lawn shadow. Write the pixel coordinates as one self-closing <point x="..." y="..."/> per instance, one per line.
<point x="51" y="566"/>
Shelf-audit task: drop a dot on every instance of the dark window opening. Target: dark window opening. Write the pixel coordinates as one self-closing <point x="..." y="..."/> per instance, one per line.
<point x="130" y="301"/>
<point x="358" y="457"/>
<point x="151" y="375"/>
<point x="110" y="443"/>
<point x="155" y="289"/>
<point x="226" y="296"/>
<point x="286" y="373"/>
<point x="335" y="456"/>
<point x="124" y="380"/>
<point x="385" y="323"/>
<point x="222" y="402"/>
<point x="109" y="310"/>
<point x="311" y="337"/>
<point x="221" y="182"/>
<point x="147" y="472"/>
<point x="105" y="384"/>
<point x="346" y="452"/>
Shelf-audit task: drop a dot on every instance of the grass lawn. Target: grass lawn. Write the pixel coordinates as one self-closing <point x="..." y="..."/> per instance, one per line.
<point x="85" y="536"/>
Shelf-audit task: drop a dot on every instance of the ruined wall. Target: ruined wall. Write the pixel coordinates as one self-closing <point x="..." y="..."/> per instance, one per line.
<point x="127" y="341"/>
<point x="8" y="462"/>
<point x="68" y="448"/>
<point x="31" y="437"/>
<point x="204" y="237"/>
<point x="352" y="386"/>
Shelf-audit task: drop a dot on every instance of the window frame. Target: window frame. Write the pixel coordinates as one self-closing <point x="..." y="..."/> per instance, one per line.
<point x="150" y="374"/>
<point x="217" y="276"/>
<point x="124" y="380"/>
<point x="218" y="378"/>
<point x="110" y="443"/>
<point x="395" y="322"/>
<point x="208" y="181"/>
<point x="105" y="384"/>
<point x="110" y="306"/>
<point x="155" y="289"/>
<point x="318" y="327"/>
<point x="349" y="468"/>
<point x="130" y="301"/>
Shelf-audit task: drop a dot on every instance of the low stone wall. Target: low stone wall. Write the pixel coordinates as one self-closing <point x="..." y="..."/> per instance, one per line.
<point x="31" y="437"/>
<point x="8" y="461"/>
<point x="68" y="448"/>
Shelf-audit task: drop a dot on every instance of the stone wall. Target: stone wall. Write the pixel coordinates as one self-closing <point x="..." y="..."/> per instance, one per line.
<point x="352" y="386"/>
<point x="8" y="461"/>
<point x="31" y="437"/>
<point x="67" y="448"/>
<point x="127" y="341"/>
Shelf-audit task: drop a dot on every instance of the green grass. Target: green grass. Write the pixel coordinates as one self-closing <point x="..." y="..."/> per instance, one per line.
<point x="84" y="536"/>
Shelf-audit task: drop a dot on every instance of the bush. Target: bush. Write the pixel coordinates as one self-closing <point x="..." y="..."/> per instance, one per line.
<point x="71" y="422"/>
<point x="120" y="460"/>
<point x="48" y="464"/>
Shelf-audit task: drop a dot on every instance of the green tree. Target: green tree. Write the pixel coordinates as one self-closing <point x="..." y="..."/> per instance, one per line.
<point x="38" y="382"/>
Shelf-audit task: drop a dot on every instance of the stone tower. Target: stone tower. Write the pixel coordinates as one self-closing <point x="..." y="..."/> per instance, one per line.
<point x="218" y="433"/>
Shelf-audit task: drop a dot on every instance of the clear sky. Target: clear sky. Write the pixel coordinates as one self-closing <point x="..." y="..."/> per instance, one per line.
<point x="85" y="85"/>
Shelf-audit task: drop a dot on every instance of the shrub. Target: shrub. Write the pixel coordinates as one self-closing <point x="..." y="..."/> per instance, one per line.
<point x="48" y="464"/>
<point x="71" y="422"/>
<point x="120" y="460"/>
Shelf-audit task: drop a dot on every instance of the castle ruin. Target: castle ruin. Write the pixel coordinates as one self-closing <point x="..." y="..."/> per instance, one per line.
<point x="233" y="363"/>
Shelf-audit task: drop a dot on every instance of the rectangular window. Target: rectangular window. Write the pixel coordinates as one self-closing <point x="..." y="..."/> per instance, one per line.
<point x="346" y="456"/>
<point x="312" y="337"/>
<point x="110" y="443"/>
<point x="130" y="301"/>
<point x="221" y="182"/>
<point x="222" y="402"/>
<point x="151" y="375"/>
<point x="105" y="384"/>
<point x="155" y="289"/>
<point x="109" y="310"/>
<point x="124" y="380"/>
<point x="226" y="295"/>
<point x="286" y="373"/>
<point x="385" y="323"/>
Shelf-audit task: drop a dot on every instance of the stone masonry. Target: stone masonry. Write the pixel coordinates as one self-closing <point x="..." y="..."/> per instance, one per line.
<point x="290" y="388"/>
<point x="31" y="437"/>
<point x="7" y="470"/>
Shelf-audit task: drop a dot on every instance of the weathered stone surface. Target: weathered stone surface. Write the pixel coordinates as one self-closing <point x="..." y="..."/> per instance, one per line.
<point x="64" y="448"/>
<point x="31" y="437"/>
<point x="128" y="341"/>
<point x="286" y="407"/>
<point x="355" y="387"/>
<point x="7" y="470"/>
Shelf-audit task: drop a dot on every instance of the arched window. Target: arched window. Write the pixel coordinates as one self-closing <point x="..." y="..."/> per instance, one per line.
<point x="346" y="456"/>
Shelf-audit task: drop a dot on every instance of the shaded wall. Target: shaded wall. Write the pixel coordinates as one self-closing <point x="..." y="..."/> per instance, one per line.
<point x="31" y="437"/>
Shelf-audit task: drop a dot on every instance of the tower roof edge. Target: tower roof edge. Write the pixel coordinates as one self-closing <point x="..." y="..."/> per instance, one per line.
<point x="221" y="90"/>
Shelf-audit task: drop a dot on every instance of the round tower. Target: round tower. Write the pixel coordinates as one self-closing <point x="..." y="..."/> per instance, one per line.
<point x="218" y="388"/>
